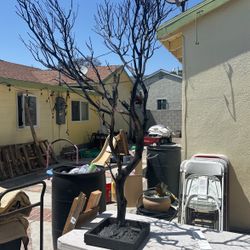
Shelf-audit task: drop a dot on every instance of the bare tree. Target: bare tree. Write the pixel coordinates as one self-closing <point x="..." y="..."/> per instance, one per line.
<point x="128" y="29"/>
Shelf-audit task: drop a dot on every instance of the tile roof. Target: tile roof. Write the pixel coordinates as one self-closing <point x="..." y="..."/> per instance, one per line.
<point x="17" y="71"/>
<point x="31" y="74"/>
<point x="104" y="72"/>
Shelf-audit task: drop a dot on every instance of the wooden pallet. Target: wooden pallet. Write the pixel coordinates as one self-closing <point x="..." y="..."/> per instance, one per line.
<point x="20" y="159"/>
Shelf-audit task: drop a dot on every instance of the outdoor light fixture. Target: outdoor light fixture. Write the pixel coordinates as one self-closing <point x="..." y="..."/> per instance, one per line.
<point x="181" y="3"/>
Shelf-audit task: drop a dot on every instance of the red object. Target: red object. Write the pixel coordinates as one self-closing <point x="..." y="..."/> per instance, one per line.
<point x="148" y="140"/>
<point x="108" y="193"/>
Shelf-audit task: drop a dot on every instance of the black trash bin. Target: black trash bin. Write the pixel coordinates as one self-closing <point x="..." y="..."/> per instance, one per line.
<point x="163" y="165"/>
<point x="65" y="187"/>
<point x="11" y="245"/>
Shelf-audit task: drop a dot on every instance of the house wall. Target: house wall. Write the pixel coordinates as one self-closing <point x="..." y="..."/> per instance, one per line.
<point x="124" y="90"/>
<point x="81" y="131"/>
<point x="216" y="94"/>
<point x="162" y="86"/>
<point x="167" y="87"/>
<point x="170" y="118"/>
<point x="46" y="119"/>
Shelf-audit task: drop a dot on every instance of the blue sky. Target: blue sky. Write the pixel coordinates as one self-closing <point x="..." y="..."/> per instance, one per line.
<point x="13" y="50"/>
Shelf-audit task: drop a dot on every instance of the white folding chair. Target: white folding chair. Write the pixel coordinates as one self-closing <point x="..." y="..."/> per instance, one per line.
<point x="202" y="188"/>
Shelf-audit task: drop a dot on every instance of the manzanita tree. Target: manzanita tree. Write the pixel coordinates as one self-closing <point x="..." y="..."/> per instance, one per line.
<point x="128" y="29"/>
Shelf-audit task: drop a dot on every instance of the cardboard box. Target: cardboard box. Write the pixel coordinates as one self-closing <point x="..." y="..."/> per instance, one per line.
<point x="132" y="189"/>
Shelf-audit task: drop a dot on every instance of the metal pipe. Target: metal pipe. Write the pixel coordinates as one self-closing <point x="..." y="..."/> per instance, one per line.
<point x="57" y="140"/>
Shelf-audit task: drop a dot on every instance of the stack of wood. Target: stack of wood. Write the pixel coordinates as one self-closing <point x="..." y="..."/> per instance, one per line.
<point x="21" y="159"/>
<point x="78" y="216"/>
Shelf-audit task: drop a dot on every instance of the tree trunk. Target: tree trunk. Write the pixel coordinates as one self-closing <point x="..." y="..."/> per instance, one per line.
<point x="121" y="200"/>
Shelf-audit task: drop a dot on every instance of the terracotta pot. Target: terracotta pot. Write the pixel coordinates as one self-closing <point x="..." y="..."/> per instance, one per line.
<point x="152" y="202"/>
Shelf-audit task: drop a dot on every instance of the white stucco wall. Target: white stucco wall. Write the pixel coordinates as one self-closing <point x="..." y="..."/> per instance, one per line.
<point x="216" y="98"/>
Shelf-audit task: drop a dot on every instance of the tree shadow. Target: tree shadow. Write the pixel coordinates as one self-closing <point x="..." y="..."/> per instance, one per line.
<point x="228" y="239"/>
<point x="230" y="103"/>
<point x="166" y="234"/>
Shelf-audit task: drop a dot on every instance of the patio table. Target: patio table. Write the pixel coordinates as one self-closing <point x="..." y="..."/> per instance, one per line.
<point x="164" y="235"/>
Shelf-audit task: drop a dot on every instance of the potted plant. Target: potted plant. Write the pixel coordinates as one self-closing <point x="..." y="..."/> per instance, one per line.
<point x="128" y="29"/>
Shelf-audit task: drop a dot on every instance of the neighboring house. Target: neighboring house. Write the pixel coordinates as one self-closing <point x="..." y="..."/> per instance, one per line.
<point x="124" y="93"/>
<point x="164" y="99"/>
<point x="56" y="112"/>
<point x="212" y="40"/>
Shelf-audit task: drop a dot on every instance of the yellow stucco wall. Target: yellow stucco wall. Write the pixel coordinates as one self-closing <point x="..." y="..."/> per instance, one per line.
<point x="124" y="90"/>
<point x="77" y="132"/>
<point x="216" y="98"/>
<point x="80" y="131"/>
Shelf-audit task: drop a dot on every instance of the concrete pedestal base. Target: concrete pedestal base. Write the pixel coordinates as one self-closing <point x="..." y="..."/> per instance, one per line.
<point x="164" y="235"/>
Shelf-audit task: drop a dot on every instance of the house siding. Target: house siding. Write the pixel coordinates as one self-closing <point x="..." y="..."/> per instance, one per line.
<point x="162" y="86"/>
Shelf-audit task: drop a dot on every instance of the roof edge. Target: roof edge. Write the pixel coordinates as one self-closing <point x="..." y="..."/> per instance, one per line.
<point x="188" y="16"/>
<point x="164" y="71"/>
<point x="119" y="68"/>
<point x="35" y="85"/>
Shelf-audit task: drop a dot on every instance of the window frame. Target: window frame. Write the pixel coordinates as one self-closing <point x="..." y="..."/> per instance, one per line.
<point x="161" y="108"/>
<point x="23" y="110"/>
<point x="80" y="111"/>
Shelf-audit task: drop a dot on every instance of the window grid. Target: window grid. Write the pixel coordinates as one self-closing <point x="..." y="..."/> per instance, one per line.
<point x="79" y="111"/>
<point x="162" y="104"/>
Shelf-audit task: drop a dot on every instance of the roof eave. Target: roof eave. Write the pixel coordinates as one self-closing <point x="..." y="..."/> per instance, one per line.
<point x="165" y="72"/>
<point x="176" y="23"/>
<point x="35" y="85"/>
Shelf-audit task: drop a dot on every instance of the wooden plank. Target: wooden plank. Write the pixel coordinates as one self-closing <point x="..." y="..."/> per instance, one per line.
<point x="124" y="142"/>
<point x="7" y="162"/>
<point x="86" y="217"/>
<point x="93" y="200"/>
<point x="52" y="153"/>
<point x="34" y="157"/>
<point x="19" y="158"/>
<point x="23" y="148"/>
<point x="75" y="210"/>
<point x="2" y="170"/>
<point x="42" y="147"/>
<point x="15" y="165"/>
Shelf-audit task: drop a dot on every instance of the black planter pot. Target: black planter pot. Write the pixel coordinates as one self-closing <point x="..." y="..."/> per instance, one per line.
<point x="141" y="230"/>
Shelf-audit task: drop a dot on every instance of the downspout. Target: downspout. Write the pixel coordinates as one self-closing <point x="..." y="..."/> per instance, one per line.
<point x="184" y="100"/>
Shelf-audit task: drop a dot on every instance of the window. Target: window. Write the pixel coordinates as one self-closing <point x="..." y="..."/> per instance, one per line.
<point x="21" y="112"/>
<point x="79" y="111"/>
<point x="162" y="104"/>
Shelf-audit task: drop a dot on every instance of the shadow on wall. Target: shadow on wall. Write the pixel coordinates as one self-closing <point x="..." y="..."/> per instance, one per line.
<point x="225" y="31"/>
<point x="238" y="205"/>
<point x="230" y="102"/>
